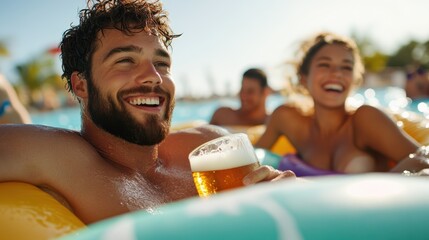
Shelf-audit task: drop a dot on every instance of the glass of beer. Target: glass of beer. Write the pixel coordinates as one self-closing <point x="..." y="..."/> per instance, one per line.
<point x="221" y="163"/>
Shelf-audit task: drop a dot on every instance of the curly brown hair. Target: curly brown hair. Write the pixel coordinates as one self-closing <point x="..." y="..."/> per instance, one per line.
<point x="128" y="16"/>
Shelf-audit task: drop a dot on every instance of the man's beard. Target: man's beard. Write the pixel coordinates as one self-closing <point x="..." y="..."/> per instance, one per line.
<point x="120" y="123"/>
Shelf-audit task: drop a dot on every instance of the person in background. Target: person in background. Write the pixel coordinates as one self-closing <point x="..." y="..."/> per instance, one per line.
<point x="328" y="135"/>
<point x="117" y="63"/>
<point x="11" y="108"/>
<point x="253" y="95"/>
<point x="417" y="84"/>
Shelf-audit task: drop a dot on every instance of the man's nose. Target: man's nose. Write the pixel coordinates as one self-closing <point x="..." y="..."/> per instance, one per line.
<point x="149" y="75"/>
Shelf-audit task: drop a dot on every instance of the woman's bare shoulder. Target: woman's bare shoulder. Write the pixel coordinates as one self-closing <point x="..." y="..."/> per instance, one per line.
<point x="286" y="109"/>
<point x="368" y="110"/>
<point x="367" y="114"/>
<point x="289" y="113"/>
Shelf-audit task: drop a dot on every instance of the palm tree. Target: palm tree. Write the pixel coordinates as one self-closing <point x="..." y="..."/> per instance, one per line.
<point x="38" y="74"/>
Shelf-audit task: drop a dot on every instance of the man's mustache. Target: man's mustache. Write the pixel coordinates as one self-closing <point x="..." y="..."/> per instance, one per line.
<point x="145" y="90"/>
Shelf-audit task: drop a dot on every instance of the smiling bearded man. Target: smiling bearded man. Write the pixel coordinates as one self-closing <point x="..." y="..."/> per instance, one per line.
<point x="117" y="121"/>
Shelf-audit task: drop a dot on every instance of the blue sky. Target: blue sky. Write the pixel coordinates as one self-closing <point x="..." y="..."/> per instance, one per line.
<point x="221" y="38"/>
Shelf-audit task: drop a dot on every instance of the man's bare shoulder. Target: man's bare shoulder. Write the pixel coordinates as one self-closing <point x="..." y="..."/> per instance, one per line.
<point x="39" y="139"/>
<point x="222" y="116"/>
<point x="36" y="154"/>
<point x="178" y="144"/>
<point x="31" y="131"/>
<point x="225" y="110"/>
<point x="195" y="135"/>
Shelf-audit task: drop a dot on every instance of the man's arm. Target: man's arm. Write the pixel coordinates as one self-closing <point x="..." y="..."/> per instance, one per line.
<point x="16" y="161"/>
<point x="32" y="153"/>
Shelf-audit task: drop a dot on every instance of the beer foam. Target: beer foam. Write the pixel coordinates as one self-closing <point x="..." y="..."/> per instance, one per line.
<point x="222" y="160"/>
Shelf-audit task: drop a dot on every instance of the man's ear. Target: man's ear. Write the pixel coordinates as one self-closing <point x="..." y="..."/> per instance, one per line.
<point x="79" y="85"/>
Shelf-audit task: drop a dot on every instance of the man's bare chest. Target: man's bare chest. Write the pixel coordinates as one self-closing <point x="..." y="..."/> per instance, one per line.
<point x="110" y="196"/>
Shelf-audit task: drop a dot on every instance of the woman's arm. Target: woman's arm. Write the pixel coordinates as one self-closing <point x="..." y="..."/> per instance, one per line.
<point x="376" y="131"/>
<point x="278" y="124"/>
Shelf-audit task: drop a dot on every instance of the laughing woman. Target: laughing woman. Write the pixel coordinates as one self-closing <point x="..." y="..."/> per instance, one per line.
<point x="327" y="135"/>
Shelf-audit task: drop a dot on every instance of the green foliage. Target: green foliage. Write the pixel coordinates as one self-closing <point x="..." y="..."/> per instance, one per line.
<point x="425" y="55"/>
<point x="39" y="76"/>
<point x="376" y="62"/>
<point x="404" y="55"/>
<point x="4" y="52"/>
<point x="412" y="53"/>
<point x="373" y="59"/>
<point x="39" y="72"/>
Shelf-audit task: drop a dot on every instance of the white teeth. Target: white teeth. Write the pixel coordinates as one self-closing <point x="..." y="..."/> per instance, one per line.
<point x="146" y="101"/>
<point x="334" y="87"/>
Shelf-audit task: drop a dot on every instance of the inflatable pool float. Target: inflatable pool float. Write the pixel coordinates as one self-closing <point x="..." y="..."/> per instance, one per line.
<point x="367" y="206"/>
<point x="415" y="125"/>
<point x="26" y="212"/>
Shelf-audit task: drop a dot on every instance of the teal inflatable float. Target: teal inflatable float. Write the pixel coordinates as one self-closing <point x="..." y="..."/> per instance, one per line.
<point x="367" y="206"/>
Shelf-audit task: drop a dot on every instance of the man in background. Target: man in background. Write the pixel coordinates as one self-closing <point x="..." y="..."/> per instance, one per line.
<point x="417" y="85"/>
<point x="253" y="94"/>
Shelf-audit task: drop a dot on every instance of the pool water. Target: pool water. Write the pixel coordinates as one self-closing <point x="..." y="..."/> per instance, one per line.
<point x="390" y="97"/>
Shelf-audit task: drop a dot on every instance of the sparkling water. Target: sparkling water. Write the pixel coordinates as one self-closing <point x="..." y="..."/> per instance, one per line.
<point x="389" y="97"/>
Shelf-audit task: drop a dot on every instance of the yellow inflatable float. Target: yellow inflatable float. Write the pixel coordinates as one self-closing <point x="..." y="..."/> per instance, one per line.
<point x="414" y="124"/>
<point x="26" y="212"/>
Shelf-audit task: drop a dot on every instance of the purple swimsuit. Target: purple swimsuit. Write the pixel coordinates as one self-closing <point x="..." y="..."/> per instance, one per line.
<point x="300" y="168"/>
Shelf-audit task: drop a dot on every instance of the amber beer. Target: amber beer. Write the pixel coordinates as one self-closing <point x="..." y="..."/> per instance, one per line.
<point x="222" y="163"/>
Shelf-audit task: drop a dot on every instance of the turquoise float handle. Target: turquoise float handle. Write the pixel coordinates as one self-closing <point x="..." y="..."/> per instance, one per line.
<point x="3" y="106"/>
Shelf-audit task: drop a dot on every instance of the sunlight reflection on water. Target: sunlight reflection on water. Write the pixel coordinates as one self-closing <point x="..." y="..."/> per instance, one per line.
<point x="391" y="97"/>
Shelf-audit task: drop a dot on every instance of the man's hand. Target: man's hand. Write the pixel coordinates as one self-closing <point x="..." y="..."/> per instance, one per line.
<point x="267" y="173"/>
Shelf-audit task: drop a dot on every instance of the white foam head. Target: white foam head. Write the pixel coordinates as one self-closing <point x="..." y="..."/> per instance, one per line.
<point x="226" y="152"/>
